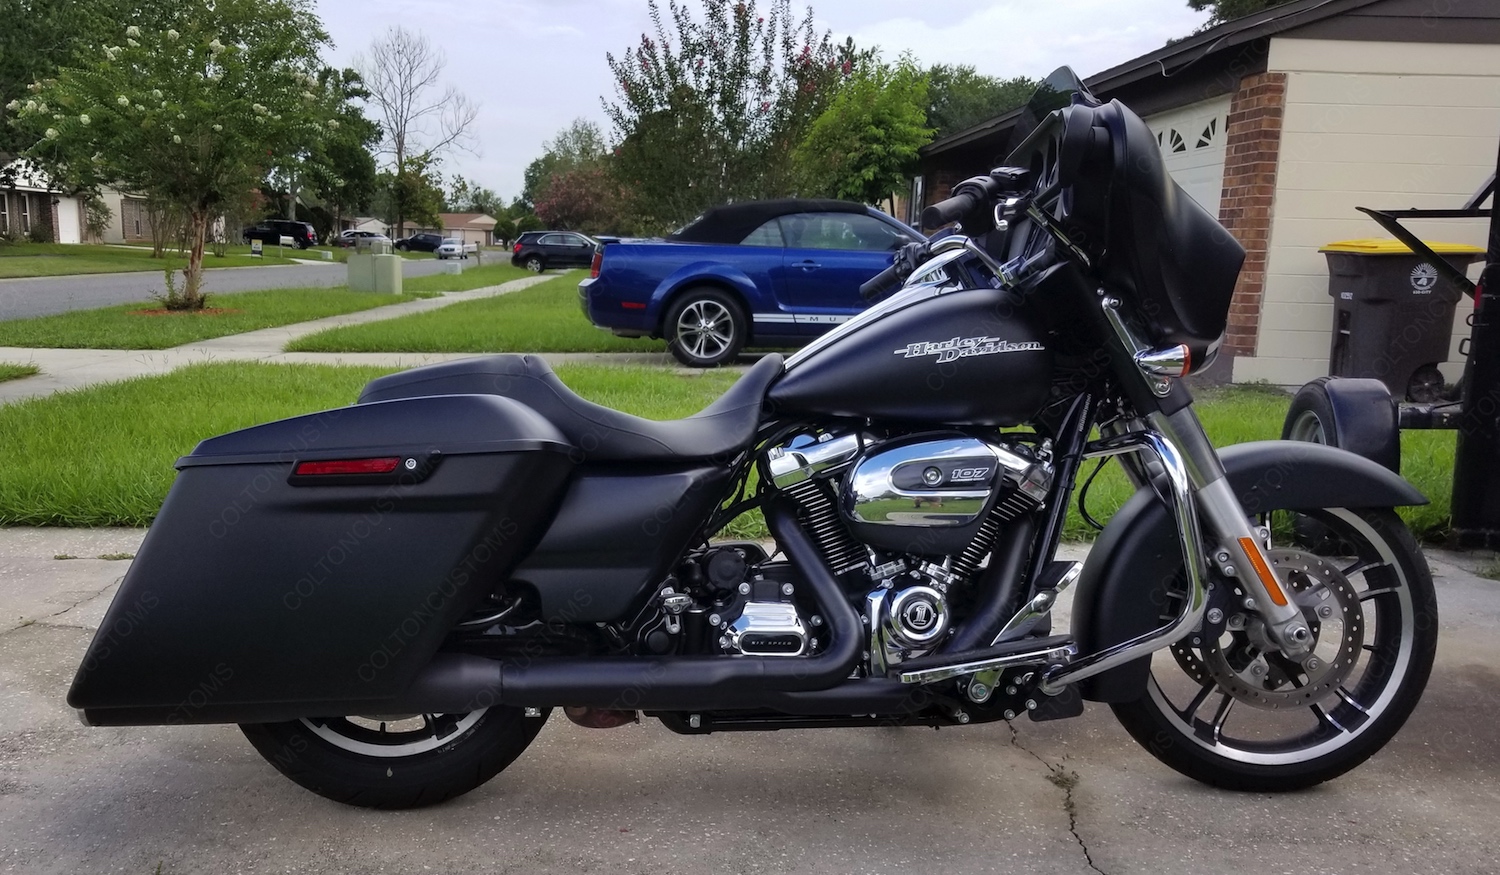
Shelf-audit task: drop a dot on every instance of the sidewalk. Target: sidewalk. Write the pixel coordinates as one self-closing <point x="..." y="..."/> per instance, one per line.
<point x="67" y="369"/>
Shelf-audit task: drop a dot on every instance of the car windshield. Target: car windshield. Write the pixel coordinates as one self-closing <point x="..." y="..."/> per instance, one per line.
<point x="451" y="242"/>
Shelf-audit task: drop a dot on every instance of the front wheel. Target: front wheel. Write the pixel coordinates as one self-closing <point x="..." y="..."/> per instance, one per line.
<point x="1226" y="708"/>
<point x="706" y="328"/>
<point x="396" y="761"/>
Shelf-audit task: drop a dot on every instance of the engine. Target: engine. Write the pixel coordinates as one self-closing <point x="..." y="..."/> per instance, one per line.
<point x="905" y="521"/>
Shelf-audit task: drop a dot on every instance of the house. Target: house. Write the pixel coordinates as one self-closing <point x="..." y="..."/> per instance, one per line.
<point x="30" y="208"/>
<point x="475" y="228"/>
<point x="372" y="224"/>
<point x="1282" y="123"/>
<point x="129" y="219"/>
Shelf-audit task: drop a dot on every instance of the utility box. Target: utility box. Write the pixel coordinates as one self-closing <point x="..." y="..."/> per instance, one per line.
<point x="372" y="268"/>
<point x="1393" y="313"/>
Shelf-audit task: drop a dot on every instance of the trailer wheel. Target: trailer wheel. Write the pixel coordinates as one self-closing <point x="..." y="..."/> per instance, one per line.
<point x="1352" y="414"/>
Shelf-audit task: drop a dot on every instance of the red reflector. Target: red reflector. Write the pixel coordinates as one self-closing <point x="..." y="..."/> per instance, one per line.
<point x="347" y="466"/>
<point x="632" y="305"/>
<point x="594" y="268"/>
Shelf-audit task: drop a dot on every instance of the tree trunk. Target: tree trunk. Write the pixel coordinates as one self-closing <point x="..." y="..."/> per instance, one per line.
<point x="192" y="292"/>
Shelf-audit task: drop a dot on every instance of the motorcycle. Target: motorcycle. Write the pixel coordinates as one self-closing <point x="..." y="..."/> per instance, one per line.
<point x="391" y="598"/>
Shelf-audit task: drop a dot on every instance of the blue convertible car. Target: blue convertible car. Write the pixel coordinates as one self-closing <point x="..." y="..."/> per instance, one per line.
<point x="763" y="273"/>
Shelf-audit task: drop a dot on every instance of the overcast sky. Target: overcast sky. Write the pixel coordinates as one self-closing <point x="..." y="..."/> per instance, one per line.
<point x="535" y="66"/>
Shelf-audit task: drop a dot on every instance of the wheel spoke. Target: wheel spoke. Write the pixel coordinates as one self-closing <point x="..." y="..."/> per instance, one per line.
<point x="1325" y="718"/>
<point x="1361" y="566"/>
<point x="1203" y="693"/>
<point x="1221" y="716"/>
<point x="1376" y="593"/>
<point x="1348" y="699"/>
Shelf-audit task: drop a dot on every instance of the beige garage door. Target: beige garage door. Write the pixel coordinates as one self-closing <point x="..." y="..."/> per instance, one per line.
<point x="1192" y="143"/>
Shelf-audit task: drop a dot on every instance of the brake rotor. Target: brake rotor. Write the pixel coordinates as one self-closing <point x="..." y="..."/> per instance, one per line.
<point x="1246" y="666"/>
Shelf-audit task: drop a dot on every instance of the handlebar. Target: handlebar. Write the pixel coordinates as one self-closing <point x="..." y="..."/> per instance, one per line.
<point x="953" y="209"/>
<point x="882" y="282"/>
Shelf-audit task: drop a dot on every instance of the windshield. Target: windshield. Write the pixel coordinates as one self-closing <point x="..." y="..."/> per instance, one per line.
<point x="1053" y="93"/>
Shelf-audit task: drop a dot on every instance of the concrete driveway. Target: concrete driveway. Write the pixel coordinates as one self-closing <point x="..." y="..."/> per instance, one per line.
<point x="1071" y="797"/>
<point x="43" y="296"/>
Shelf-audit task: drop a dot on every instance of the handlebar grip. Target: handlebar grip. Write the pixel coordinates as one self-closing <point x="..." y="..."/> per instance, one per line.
<point x="950" y="210"/>
<point x="882" y="282"/>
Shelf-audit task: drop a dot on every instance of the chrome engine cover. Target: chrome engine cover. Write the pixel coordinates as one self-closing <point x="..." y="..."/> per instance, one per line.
<point x="927" y="494"/>
<point x="767" y="629"/>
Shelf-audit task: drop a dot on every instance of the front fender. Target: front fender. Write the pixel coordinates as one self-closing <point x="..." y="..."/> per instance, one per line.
<point x="1122" y="591"/>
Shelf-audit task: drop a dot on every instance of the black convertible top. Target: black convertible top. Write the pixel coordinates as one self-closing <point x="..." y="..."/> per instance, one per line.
<point x="732" y="223"/>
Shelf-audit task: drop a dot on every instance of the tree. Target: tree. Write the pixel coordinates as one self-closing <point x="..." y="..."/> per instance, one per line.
<point x="468" y="197"/>
<point x="38" y="38"/>
<point x="586" y="199"/>
<point x="340" y="167"/>
<point x="1228" y="10"/>
<point x="710" y="111"/>
<point x="959" y="97"/>
<point x="415" y="193"/>
<point x="190" y="110"/>
<point x="581" y="144"/>
<point x="865" y="144"/>
<point x="401" y="73"/>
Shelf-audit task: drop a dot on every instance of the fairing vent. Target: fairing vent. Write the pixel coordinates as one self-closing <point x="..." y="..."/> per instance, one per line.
<point x="821" y="520"/>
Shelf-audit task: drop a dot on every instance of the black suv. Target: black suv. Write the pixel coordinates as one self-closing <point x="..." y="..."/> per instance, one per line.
<point x="420" y="243"/>
<point x="272" y="230"/>
<point x="538" y="250"/>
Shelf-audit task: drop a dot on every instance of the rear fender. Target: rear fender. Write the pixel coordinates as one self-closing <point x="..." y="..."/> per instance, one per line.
<point x="705" y="273"/>
<point x="1122" y="591"/>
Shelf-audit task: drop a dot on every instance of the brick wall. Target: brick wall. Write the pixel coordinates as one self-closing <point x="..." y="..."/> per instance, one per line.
<point x="1252" y="149"/>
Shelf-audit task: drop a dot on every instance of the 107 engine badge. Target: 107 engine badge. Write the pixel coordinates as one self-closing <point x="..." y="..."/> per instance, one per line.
<point x="964" y="347"/>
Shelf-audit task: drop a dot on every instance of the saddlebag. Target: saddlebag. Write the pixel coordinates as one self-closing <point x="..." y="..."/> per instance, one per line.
<point x="321" y="559"/>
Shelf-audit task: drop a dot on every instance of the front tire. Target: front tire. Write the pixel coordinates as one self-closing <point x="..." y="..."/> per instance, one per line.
<point x="706" y="328"/>
<point x="389" y="762"/>
<point x="1228" y="713"/>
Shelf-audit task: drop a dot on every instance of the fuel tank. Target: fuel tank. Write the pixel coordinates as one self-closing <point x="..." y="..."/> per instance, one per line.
<point x="967" y="357"/>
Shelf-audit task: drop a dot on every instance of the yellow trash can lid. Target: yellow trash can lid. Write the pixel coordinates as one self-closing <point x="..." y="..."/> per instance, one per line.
<point x="1381" y="246"/>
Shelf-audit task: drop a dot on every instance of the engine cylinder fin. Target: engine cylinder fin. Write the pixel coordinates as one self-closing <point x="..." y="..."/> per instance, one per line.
<point x="820" y="519"/>
<point x="1015" y="504"/>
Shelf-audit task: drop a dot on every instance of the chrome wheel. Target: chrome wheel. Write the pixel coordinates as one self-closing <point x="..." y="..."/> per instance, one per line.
<point x="706" y="328"/>
<point x="535" y="264"/>
<point x="1225" y="706"/>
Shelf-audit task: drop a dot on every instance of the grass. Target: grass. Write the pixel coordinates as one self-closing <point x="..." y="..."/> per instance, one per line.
<point x="15" y="372"/>
<point x="544" y="318"/>
<point x="493" y="274"/>
<point x="142" y="326"/>
<point x="103" y="456"/>
<point x="61" y="259"/>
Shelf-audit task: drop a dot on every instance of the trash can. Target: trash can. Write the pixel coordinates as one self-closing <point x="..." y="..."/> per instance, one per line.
<point x="1393" y="313"/>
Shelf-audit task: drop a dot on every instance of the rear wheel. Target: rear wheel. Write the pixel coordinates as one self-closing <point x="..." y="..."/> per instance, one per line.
<point x="1228" y="709"/>
<point x="706" y="328"/>
<point x="535" y="264"/>
<point x="396" y="761"/>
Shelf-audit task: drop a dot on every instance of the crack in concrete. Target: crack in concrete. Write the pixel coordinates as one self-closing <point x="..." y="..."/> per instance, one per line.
<point x="35" y="620"/>
<point x="1065" y="780"/>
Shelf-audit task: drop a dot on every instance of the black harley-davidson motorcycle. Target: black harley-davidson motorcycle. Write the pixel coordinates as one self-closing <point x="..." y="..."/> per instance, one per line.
<point x="392" y="597"/>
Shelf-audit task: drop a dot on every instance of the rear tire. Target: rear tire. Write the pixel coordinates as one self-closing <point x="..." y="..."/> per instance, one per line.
<point x="535" y="264"/>
<point x="1282" y="728"/>
<point x="706" y="328"/>
<point x="348" y="761"/>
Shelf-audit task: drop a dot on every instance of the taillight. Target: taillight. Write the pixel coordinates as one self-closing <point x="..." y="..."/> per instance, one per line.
<point x="517" y="250"/>
<point x="598" y="261"/>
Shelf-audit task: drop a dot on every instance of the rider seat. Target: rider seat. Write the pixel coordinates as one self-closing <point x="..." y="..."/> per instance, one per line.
<point x="722" y="430"/>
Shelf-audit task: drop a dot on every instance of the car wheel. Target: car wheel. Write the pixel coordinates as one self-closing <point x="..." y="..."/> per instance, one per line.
<point x="535" y="264"/>
<point x="706" y="328"/>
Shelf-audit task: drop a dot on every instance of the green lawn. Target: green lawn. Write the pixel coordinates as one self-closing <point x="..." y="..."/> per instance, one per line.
<point x="59" y="259"/>
<point x="493" y="273"/>
<point x="544" y="318"/>
<point x="103" y="456"/>
<point x="142" y="326"/>
<point x="15" y="372"/>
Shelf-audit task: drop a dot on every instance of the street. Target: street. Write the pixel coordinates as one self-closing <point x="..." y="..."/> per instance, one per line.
<point x="43" y="296"/>
<point x="1070" y="797"/>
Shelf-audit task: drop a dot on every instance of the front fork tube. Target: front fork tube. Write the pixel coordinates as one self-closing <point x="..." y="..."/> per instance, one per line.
<point x="1236" y="548"/>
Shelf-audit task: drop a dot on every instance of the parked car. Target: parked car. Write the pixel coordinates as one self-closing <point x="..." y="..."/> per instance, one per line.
<point x="763" y="273"/>
<point x="350" y="238"/>
<point x="420" y="243"/>
<point x="272" y="230"/>
<point x="452" y="247"/>
<point x="539" y="250"/>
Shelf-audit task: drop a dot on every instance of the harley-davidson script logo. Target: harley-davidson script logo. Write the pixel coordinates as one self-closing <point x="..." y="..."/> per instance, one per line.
<point x="964" y="347"/>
